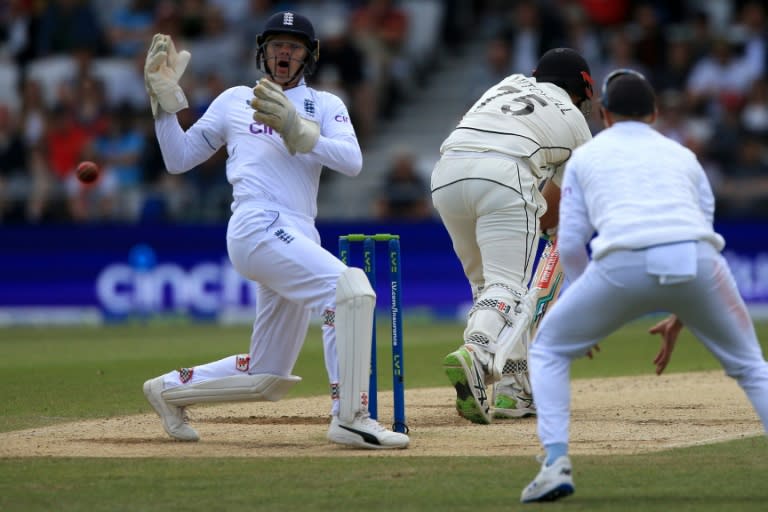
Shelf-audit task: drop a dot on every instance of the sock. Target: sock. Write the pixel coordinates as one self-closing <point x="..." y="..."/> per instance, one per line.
<point x="554" y="451"/>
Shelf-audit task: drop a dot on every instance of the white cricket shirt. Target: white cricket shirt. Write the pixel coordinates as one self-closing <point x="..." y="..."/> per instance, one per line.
<point x="521" y="118"/>
<point x="259" y="167"/>
<point x="637" y="189"/>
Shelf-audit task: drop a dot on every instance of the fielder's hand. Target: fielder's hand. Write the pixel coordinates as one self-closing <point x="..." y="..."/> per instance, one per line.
<point x="273" y="108"/>
<point x="669" y="329"/>
<point x="163" y="69"/>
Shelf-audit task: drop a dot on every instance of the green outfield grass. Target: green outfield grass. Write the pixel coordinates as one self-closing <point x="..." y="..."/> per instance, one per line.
<point x="50" y="375"/>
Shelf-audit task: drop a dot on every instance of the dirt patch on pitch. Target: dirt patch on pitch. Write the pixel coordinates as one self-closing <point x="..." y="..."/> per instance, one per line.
<point x="610" y="416"/>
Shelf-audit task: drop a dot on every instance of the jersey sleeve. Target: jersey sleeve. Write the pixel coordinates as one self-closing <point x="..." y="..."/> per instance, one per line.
<point x="338" y="147"/>
<point x="706" y="196"/>
<point x="182" y="150"/>
<point x="574" y="227"/>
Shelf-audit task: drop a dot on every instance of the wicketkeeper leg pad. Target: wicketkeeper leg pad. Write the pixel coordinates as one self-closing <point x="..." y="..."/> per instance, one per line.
<point x="237" y="388"/>
<point x="355" y="303"/>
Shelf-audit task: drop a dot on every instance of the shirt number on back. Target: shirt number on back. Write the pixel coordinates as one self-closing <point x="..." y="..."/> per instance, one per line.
<point x="526" y="99"/>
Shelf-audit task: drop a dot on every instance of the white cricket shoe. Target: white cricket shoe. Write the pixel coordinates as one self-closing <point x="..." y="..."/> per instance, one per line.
<point x="468" y="375"/>
<point x="365" y="432"/>
<point x="174" y="417"/>
<point x="552" y="483"/>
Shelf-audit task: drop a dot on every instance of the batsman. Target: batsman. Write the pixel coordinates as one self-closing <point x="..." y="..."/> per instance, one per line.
<point x="496" y="188"/>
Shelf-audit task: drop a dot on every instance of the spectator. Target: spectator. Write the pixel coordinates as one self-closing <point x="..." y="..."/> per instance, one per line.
<point x="531" y="31"/>
<point x="119" y="150"/>
<point x="89" y="105"/>
<point x="13" y="155"/>
<point x="215" y="40"/>
<point x="66" y="142"/>
<point x="33" y="113"/>
<point x="130" y="27"/>
<point x="649" y="39"/>
<point x="621" y="54"/>
<point x="752" y="22"/>
<point x="581" y="34"/>
<point x="702" y="34"/>
<point x="754" y="116"/>
<point x="68" y="25"/>
<point x="723" y="147"/>
<point x="17" y="29"/>
<point x="722" y="72"/>
<point x="405" y="194"/>
<point x="677" y="66"/>
<point x="496" y="66"/>
<point x="743" y="192"/>
<point x="247" y="28"/>
<point x="128" y="85"/>
<point x="344" y="69"/>
<point x="380" y="28"/>
<point x="192" y="15"/>
<point x="168" y="19"/>
<point x="97" y="201"/>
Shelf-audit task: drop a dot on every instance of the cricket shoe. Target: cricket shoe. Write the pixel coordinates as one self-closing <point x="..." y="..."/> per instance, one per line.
<point x="467" y="375"/>
<point x="512" y="403"/>
<point x="552" y="483"/>
<point x="364" y="432"/>
<point x="174" y="418"/>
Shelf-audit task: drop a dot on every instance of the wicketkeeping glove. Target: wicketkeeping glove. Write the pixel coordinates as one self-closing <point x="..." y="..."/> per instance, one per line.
<point x="163" y="69"/>
<point x="273" y="108"/>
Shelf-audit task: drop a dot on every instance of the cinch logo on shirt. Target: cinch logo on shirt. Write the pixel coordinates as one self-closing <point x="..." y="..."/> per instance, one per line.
<point x="258" y="128"/>
<point x="341" y="119"/>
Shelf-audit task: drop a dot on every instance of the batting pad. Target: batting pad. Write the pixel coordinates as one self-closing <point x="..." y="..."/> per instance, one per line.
<point x="237" y="388"/>
<point x="514" y="340"/>
<point x="355" y="303"/>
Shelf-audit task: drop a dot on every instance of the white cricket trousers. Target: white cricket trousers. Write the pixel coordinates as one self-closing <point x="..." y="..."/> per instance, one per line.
<point x="615" y="290"/>
<point x="296" y="280"/>
<point x="490" y="207"/>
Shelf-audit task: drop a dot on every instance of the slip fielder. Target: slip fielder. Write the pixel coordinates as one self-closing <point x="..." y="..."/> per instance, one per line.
<point x="651" y="205"/>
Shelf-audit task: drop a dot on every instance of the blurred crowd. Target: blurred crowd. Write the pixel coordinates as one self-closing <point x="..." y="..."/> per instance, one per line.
<point x="707" y="59"/>
<point x="72" y="89"/>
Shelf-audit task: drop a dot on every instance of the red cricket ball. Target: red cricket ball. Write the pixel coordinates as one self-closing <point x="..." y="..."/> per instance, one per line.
<point x="87" y="171"/>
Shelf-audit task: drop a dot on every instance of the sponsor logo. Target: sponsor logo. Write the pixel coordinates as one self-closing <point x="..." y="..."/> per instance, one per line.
<point x="329" y="317"/>
<point x="242" y="362"/>
<point x="341" y="119"/>
<point x="309" y="107"/>
<point x="206" y="288"/>
<point x="258" y="129"/>
<point x="546" y="275"/>
<point x="334" y="390"/>
<point x="283" y="236"/>
<point x="185" y="374"/>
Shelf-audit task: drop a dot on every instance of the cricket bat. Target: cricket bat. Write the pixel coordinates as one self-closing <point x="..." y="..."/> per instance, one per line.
<point x="546" y="283"/>
<point x="542" y="294"/>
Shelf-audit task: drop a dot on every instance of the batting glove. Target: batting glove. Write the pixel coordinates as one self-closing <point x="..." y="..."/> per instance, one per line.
<point x="163" y="69"/>
<point x="273" y="108"/>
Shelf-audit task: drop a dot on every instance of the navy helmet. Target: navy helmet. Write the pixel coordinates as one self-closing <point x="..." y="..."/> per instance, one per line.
<point x="567" y="69"/>
<point x="627" y="92"/>
<point x="288" y="22"/>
